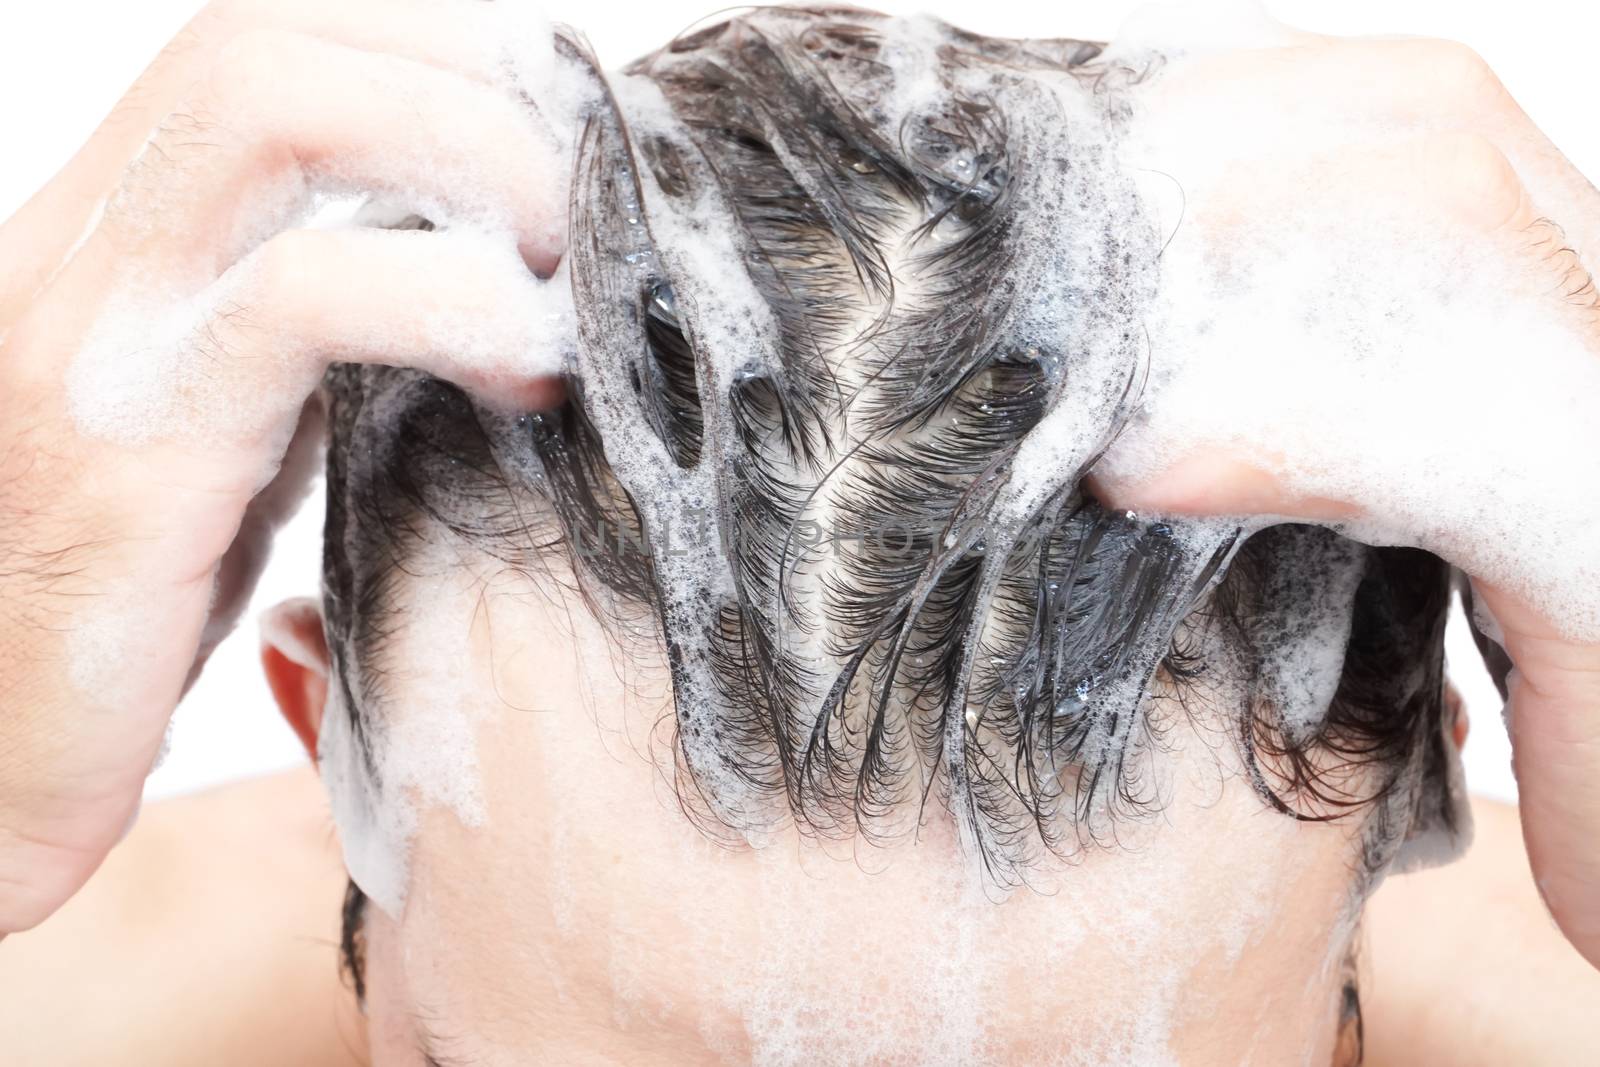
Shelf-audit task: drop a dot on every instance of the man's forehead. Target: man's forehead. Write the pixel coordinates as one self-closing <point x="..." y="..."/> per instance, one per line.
<point x="592" y="894"/>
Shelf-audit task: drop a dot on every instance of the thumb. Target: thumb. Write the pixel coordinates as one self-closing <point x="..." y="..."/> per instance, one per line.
<point x="1553" y="710"/>
<point x="1216" y="481"/>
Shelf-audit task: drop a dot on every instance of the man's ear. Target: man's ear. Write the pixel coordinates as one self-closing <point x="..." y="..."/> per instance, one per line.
<point x="294" y="654"/>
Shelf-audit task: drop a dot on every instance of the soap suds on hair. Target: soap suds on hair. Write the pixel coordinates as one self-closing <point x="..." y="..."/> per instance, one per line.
<point x="1088" y="278"/>
<point x="1301" y="634"/>
<point x="420" y="721"/>
<point x="1081" y="269"/>
<point x="1096" y="308"/>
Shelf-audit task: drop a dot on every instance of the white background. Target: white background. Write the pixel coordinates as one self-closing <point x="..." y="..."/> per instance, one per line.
<point x="64" y="64"/>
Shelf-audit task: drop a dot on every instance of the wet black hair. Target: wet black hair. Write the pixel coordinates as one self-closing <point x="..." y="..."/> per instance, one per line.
<point x="1008" y="637"/>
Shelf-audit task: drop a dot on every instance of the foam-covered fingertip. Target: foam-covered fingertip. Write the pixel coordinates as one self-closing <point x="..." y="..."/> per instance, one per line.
<point x="524" y="395"/>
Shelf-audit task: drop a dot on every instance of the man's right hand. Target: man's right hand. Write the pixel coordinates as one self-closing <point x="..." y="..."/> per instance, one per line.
<point x="163" y="325"/>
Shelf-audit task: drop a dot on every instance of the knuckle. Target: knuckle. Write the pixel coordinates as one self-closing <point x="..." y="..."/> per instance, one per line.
<point x="1459" y="71"/>
<point x="282" y="260"/>
<point x="1473" y="178"/>
<point x="287" y="266"/>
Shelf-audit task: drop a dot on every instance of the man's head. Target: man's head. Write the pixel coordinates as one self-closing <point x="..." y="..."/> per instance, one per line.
<point x="858" y="306"/>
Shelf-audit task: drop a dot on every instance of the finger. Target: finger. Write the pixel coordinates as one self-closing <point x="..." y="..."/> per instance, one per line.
<point x="286" y="116"/>
<point x="238" y="365"/>
<point x="1554" y="718"/>
<point x="1215" y="481"/>
<point x="500" y="44"/>
<point x="242" y="564"/>
<point x="1244" y="425"/>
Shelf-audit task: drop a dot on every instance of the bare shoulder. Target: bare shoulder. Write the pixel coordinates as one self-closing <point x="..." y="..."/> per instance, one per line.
<point x="209" y="936"/>
<point x="1463" y="965"/>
